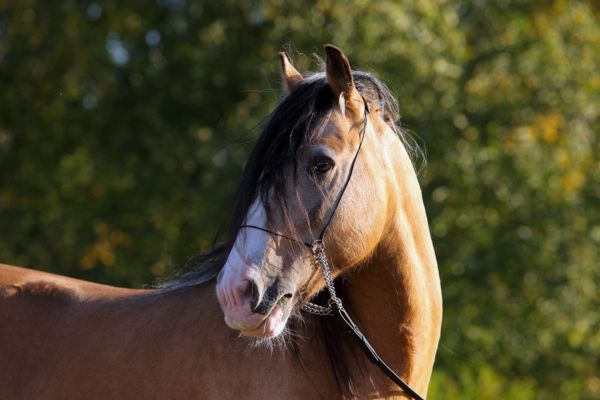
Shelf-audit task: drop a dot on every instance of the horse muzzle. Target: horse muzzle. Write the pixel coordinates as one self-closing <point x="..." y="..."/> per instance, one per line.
<point x="250" y="310"/>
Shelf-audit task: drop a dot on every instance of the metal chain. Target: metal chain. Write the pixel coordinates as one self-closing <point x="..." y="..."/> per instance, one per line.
<point x="317" y="309"/>
<point x="334" y="305"/>
<point x="322" y="264"/>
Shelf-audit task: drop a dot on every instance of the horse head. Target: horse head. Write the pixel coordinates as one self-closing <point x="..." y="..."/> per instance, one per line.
<point x="323" y="168"/>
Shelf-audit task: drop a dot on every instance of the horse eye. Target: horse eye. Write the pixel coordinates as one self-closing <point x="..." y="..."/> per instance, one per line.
<point x="321" y="166"/>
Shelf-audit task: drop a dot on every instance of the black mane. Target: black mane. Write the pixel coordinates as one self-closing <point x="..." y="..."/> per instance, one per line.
<point x="296" y="119"/>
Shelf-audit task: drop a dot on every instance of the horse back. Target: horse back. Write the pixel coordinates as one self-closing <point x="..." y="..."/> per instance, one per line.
<point x="24" y="281"/>
<point x="38" y="311"/>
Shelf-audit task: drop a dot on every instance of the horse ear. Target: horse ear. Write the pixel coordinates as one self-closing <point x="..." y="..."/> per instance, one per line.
<point x="289" y="75"/>
<point x="339" y="77"/>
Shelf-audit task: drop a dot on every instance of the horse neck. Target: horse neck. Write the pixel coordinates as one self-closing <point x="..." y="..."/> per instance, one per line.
<point x="396" y="298"/>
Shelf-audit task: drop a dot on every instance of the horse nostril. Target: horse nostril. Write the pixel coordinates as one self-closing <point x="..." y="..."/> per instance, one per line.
<point x="263" y="303"/>
<point x="253" y="293"/>
<point x="283" y="300"/>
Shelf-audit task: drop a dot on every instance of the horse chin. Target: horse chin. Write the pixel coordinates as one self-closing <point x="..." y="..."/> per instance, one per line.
<point x="271" y="326"/>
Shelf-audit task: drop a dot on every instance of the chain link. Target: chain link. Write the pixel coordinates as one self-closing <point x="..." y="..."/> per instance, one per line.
<point x="320" y="259"/>
<point x="317" y="309"/>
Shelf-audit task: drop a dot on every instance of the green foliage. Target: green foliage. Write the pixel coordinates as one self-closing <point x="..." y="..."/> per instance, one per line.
<point x="482" y="383"/>
<point x="124" y="127"/>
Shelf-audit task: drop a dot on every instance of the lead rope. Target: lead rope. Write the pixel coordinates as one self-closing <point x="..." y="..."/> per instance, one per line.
<point x="334" y="305"/>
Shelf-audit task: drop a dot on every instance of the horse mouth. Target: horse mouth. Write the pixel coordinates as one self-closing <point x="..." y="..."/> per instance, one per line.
<point x="274" y="321"/>
<point x="272" y="325"/>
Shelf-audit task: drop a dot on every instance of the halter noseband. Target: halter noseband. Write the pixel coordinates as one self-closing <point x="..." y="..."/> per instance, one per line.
<point x="317" y="248"/>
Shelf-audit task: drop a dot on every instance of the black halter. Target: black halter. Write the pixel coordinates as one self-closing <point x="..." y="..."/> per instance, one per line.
<point x="335" y="303"/>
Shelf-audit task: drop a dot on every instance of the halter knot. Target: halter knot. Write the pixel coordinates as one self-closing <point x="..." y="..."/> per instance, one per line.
<point x="316" y="245"/>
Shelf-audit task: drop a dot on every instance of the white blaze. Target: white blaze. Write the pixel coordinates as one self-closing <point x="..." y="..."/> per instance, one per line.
<point x="250" y="244"/>
<point x="242" y="265"/>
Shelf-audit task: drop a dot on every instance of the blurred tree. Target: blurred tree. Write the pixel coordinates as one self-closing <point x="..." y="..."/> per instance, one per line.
<point x="124" y="128"/>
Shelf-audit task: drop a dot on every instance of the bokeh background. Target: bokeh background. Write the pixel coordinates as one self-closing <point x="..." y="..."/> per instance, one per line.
<point x="124" y="127"/>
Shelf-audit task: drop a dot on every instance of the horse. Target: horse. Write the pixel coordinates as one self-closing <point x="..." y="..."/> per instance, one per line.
<point x="331" y="169"/>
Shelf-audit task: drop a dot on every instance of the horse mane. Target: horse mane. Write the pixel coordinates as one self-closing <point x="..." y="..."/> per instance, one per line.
<point x="297" y="118"/>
